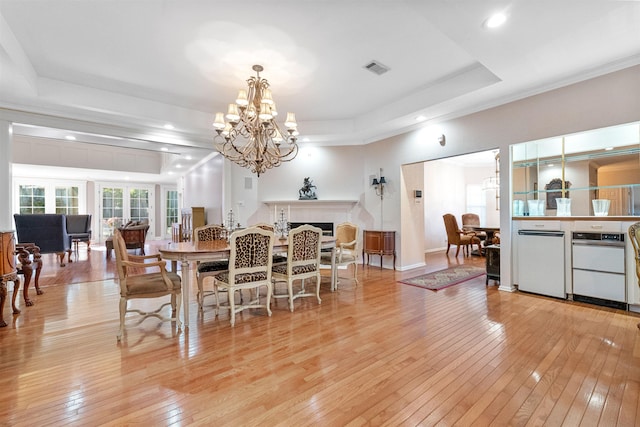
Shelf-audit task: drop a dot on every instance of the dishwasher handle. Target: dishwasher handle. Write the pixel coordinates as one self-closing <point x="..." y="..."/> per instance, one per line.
<point x="541" y="233"/>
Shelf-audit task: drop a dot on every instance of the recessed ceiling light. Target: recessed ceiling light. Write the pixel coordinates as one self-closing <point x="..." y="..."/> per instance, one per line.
<point x="178" y="165"/>
<point x="187" y="157"/>
<point x="496" y="20"/>
<point x="164" y="149"/>
<point x="305" y="139"/>
<point x="169" y="126"/>
<point x="70" y="137"/>
<point x="420" y="118"/>
<point x="608" y="149"/>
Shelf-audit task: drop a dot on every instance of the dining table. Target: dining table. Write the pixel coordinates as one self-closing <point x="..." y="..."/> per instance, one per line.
<point x="490" y="231"/>
<point x="189" y="252"/>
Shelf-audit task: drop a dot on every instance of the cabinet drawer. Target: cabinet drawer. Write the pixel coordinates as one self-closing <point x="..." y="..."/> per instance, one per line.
<point x="607" y="226"/>
<point x="540" y="225"/>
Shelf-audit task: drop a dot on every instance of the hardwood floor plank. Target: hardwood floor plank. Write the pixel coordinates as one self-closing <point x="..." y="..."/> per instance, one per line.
<point x="379" y="353"/>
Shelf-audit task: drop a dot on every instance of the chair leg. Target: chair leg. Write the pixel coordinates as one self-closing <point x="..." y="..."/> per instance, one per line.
<point x="290" y="289"/>
<point x="123" y="311"/>
<point x="318" y="288"/>
<point x="232" y="306"/>
<point x="457" y="251"/>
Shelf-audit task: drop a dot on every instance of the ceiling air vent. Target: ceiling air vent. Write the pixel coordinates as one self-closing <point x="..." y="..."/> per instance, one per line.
<point x="376" y="67"/>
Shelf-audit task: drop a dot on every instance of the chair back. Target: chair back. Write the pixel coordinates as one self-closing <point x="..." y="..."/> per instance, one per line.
<point x="251" y="255"/>
<point x="634" y="235"/>
<point x="453" y="231"/>
<point x="264" y="226"/>
<point x="134" y="236"/>
<point x="347" y="236"/>
<point x="120" y="248"/>
<point x="303" y="251"/>
<point x="470" y="219"/>
<point x="209" y="233"/>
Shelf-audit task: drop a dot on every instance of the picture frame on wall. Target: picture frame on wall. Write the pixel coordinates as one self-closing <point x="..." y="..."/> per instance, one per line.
<point x="554" y="191"/>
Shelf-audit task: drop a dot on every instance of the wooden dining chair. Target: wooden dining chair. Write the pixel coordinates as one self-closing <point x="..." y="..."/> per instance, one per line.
<point x="303" y="262"/>
<point x="250" y="265"/>
<point x="208" y="269"/>
<point x="134" y="284"/>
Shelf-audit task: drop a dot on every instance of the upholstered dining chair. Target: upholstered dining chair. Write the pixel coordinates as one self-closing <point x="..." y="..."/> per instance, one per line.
<point x="250" y="265"/>
<point x="278" y="258"/>
<point x="455" y="236"/>
<point x="468" y="221"/>
<point x="634" y="236"/>
<point x="209" y="233"/>
<point x="346" y="252"/>
<point x="136" y="282"/>
<point x="303" y="262"/>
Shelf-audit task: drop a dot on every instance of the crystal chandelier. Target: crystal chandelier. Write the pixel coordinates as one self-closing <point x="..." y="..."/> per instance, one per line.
<point x="250" y="136"/>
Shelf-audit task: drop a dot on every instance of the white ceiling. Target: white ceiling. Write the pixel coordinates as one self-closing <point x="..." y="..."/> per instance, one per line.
<point x="127" y="68"/>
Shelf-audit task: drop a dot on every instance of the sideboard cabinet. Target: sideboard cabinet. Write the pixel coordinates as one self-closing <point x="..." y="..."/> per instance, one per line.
<point x="8" y="270"/>
<point x="379" y="243"/>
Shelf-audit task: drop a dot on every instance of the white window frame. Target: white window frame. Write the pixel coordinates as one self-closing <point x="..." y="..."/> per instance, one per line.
<point x="50" y="192"/>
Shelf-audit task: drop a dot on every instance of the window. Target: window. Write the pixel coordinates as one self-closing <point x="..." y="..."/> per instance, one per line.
<point x="32" y="200"/>
<point x="67" y="200"/>
<point x="48" y="196"/>
<point x="172" y="209"/>
<point x="139" y="201"/>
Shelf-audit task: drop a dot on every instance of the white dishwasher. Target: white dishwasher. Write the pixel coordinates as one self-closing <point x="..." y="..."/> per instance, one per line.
<point x="598" y="269"/>
<point x="541" y="262"/>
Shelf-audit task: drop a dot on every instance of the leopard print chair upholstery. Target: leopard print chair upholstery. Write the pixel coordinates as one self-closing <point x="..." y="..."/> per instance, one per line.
<point x="303" y="262"/>
<point x="250" y="266"/>
<point x="277" y="258"/>
<point x="209" y="233"/>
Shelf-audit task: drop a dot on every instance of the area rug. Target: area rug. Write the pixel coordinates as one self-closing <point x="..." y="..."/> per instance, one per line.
<point x="445" y="278"/>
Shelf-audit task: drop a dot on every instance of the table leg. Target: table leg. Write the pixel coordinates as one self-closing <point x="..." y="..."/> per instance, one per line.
<point x="334" y="271"/>
<point x="186" y="287"/>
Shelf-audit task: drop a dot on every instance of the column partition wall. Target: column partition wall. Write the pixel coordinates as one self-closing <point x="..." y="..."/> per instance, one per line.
<point x="6" y="220"/>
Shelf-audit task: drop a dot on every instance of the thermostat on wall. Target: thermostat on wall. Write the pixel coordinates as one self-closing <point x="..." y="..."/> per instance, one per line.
<point x="417" y="194"/>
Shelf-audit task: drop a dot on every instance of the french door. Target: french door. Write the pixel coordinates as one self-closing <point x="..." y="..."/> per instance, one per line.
<point x="118" y="204"/>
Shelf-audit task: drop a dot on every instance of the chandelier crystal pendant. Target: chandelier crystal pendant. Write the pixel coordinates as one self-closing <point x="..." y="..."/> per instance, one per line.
<point x="250" y="136"/>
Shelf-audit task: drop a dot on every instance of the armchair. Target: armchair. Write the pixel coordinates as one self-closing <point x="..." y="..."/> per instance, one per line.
<point x="455" y="236"/>
<point x="147" y="285"/>
<point x="345" y="252"/>
<point x="79" y="229"/>
<point x="47" y="231"/>
<point x="468" y="221"/>
<point x="134" y="237"/>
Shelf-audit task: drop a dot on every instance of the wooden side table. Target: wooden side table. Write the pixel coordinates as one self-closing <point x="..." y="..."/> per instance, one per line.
<point x="492" y="254"/>
<point x="379" y="243"/>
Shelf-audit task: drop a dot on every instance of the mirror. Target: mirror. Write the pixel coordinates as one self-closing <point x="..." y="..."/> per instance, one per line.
<point x="587" y="166"/>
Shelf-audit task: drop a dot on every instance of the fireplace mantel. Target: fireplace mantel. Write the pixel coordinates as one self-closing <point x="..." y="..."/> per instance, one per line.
<point x="313" y="204"/>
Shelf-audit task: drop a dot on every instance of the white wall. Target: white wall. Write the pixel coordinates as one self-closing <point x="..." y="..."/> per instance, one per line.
<point x="203" y="186"/>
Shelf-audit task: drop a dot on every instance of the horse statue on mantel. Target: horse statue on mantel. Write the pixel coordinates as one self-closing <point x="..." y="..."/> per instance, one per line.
<point x="306" y="192"/>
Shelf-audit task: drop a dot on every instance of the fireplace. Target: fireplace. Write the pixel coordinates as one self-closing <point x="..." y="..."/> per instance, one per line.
<point x="326" y="227"/>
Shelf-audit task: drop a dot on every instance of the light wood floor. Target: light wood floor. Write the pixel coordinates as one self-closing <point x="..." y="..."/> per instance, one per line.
<point x="381" y="353"/>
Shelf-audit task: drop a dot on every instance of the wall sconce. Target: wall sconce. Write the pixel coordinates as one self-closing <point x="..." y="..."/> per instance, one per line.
<point x="379" y="184"/>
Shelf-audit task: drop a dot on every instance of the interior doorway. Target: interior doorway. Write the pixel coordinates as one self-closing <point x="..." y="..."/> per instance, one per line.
<point x="468" y="183"/>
